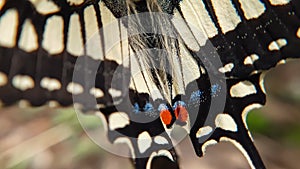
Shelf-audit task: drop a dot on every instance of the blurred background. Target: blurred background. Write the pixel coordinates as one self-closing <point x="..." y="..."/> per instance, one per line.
<point x="43" y="138"/>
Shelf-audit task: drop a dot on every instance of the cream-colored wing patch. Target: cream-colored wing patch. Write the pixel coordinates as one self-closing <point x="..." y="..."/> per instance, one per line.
<point x="249" y="60"/>
<point x="92" y="31"/>
<point x="144" y="141"/>
<point x="8" y="28"/>
<point x="23" y="82"/>
<point x="227" y="68"/>
<point x="29" y="39"/>
<point x="45" y="6"/>
<point x="279" y="2"/>
<point x="75" y="39"/>
<point x="277" y="45"/>
<point x="252" y="8"/>
<point x="160" y="140"/>
<point x="118" y="120"/>
<point x="75" y="2"/>
<point x="204" y="131"/>
<point x="226" y="122"/>
<point x="227" y="15"/>
<point x="75" y="88"/>
<point x="3" y="79"/>
<point x="53" y="37"/>
<point x="50" y="84"/>
<point x="242" y="89"/>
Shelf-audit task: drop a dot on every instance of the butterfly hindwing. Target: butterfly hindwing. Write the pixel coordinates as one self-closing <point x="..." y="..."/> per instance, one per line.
<point x="248" y="36"/>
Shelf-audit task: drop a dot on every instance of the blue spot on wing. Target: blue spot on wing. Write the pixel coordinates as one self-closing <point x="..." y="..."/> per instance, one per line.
<point x="178" y="103"/>
<point x="136" y="108"/>
<point x="199" y="96"/>
<point x="215" y="89"/>
<point x="196" y="96"/>
<point x="148" y="107"/>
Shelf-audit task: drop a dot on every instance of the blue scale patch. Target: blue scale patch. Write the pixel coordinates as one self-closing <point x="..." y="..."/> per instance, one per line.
<point x="148" y="107"/>
<point x="215" y="89"/>
<point x="136" y="108"/>
<point x="196" y="96"/>
<point x="162" y="107"/>
<point x="178" y="103"/>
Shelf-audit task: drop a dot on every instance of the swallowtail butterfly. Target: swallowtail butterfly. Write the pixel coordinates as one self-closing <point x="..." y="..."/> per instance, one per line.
<point x="148" y="65"/>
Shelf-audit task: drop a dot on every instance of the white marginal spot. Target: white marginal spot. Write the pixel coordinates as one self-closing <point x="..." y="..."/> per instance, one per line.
<point x="226" y="122"/>
<point x="204" y="131"/>
<point x="93" y="45"/>
<point x="262" y="82"/>
<point x="281" y="62"/>
<point x="99" y="106"/>
<point x="144" y="141"/>
<point x="298" y="33"/>
<point x="242" y="89"/>
<point x="8" y="28"/>
<point x="279" y="2"/>
<point x="53" y="37"/>
<point x="227" y="68"/>
<point x="118" y="120"/>
<point x="24" y="104"/>
<point x="75" y="2"/>
<point x="75" y="88"/>
<point x="45" y="6"/>
<point x="249" y="60"/>
<point x="227" y="15"/>
<point x="23" y="82"/>
<point x="2" y="2"/>
<point x="207" y="144"/>
<point x="277" y="45"/>
<point x="241" y="148"/>
<point x="164" y="153"/>
<point x="160" y="140"/>
<point x="28" y="40"/>
<point x="255" y="72"/>
<point x="203" y="71"/>
<point x="96" y="92"/>
<point x="252" y="8"/>
<point x="53" y="104"/>
<point x="128" y="142"/>
<point x="114" y="92"/>
<point x="50" y="84"/>
<point x="75" y="39"/>
<point x="3" y="79"/>
<point x="247" y="110"/>
<point x="103" y="120"/>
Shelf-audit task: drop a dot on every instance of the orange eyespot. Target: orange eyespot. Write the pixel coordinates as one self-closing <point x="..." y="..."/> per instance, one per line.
<point x="166" y="116"/>
<point x="181" y="113"/>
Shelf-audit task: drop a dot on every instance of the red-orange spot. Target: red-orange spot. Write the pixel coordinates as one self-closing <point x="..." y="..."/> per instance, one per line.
<point x="166" y="116"/>
<point x="181" y="113"/>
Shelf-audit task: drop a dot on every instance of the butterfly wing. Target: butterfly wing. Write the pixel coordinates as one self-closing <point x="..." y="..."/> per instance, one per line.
<point x="250" y="37"/>
<point x="41" y="42"/>
<point x="247" y="40"/>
